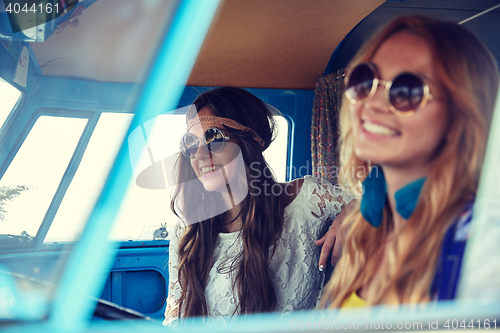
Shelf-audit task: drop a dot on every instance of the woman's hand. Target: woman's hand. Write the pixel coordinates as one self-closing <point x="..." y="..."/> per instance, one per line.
<point x="332" y="240"/>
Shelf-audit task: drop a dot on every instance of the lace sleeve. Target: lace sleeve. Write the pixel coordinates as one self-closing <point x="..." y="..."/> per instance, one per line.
<point x="327" y="200"/>
<point x="297" y="279"/>
<point x="172" y="310"/>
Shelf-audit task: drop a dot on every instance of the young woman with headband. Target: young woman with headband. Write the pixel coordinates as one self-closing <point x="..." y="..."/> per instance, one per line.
<point x="245" y="242"/>
<point x="419" y="100"/>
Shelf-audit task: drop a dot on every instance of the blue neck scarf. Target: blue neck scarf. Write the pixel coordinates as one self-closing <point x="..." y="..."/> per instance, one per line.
<point x="375" y="197"/>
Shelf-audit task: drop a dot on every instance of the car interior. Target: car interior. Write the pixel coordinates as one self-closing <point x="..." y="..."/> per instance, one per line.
<point x="93" y="97"/>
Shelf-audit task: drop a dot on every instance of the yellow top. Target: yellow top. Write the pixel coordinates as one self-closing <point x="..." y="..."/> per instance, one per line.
<point x="353" y="301"/>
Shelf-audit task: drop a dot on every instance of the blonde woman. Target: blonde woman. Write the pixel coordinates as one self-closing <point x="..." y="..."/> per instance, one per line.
<point x="419" y="99"/>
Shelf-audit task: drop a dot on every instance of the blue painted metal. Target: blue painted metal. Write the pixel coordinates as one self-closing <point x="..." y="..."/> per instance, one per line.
<point x="138" y="279"/>
<point x="296" y="106"/>
<point x="33" y="60"/>
<point x="7" y="68"/>
<point x="142" y="290"/>
<point x="91" y="257"/>
<point x="117" y="287"/>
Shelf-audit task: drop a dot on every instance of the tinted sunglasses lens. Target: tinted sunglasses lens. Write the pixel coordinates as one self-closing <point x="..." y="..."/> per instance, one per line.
<point x="188" y="145"/>
<point x="360" y="82"/>
<point x="214" y="140"/>
<point x="407" y="92"/>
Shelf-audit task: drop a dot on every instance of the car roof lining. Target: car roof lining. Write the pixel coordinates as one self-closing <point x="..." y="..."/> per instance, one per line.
<point x="275" y="44"/>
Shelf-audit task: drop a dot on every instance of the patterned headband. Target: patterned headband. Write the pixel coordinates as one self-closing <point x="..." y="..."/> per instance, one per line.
<point x="225" y="121"/>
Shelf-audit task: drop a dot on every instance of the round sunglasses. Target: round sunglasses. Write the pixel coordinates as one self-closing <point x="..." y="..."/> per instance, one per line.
<point x="214" y="141"/>
<point x="405" y="94"/>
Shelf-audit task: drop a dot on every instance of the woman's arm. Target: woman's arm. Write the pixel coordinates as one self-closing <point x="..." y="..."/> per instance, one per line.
<point x="332" y="241"/>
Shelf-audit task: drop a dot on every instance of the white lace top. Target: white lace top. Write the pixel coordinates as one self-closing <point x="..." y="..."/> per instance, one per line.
<point x="294" y="266"/>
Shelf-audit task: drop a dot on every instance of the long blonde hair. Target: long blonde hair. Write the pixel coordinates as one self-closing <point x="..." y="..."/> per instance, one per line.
<point x="469" y="75"/>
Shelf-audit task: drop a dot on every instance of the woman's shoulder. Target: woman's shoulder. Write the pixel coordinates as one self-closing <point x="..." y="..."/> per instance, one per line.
<point x="319" y="197"/>
<point x="291" y="190"/>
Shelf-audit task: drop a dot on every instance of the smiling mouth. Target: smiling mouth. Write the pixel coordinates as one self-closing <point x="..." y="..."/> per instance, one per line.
<point x="378" y="129"/>
<point x="209" y="169"/>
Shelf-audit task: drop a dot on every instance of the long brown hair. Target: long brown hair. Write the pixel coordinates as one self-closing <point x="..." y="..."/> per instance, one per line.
<point x="469" y="75"/>
<point x="262" y="216"/>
